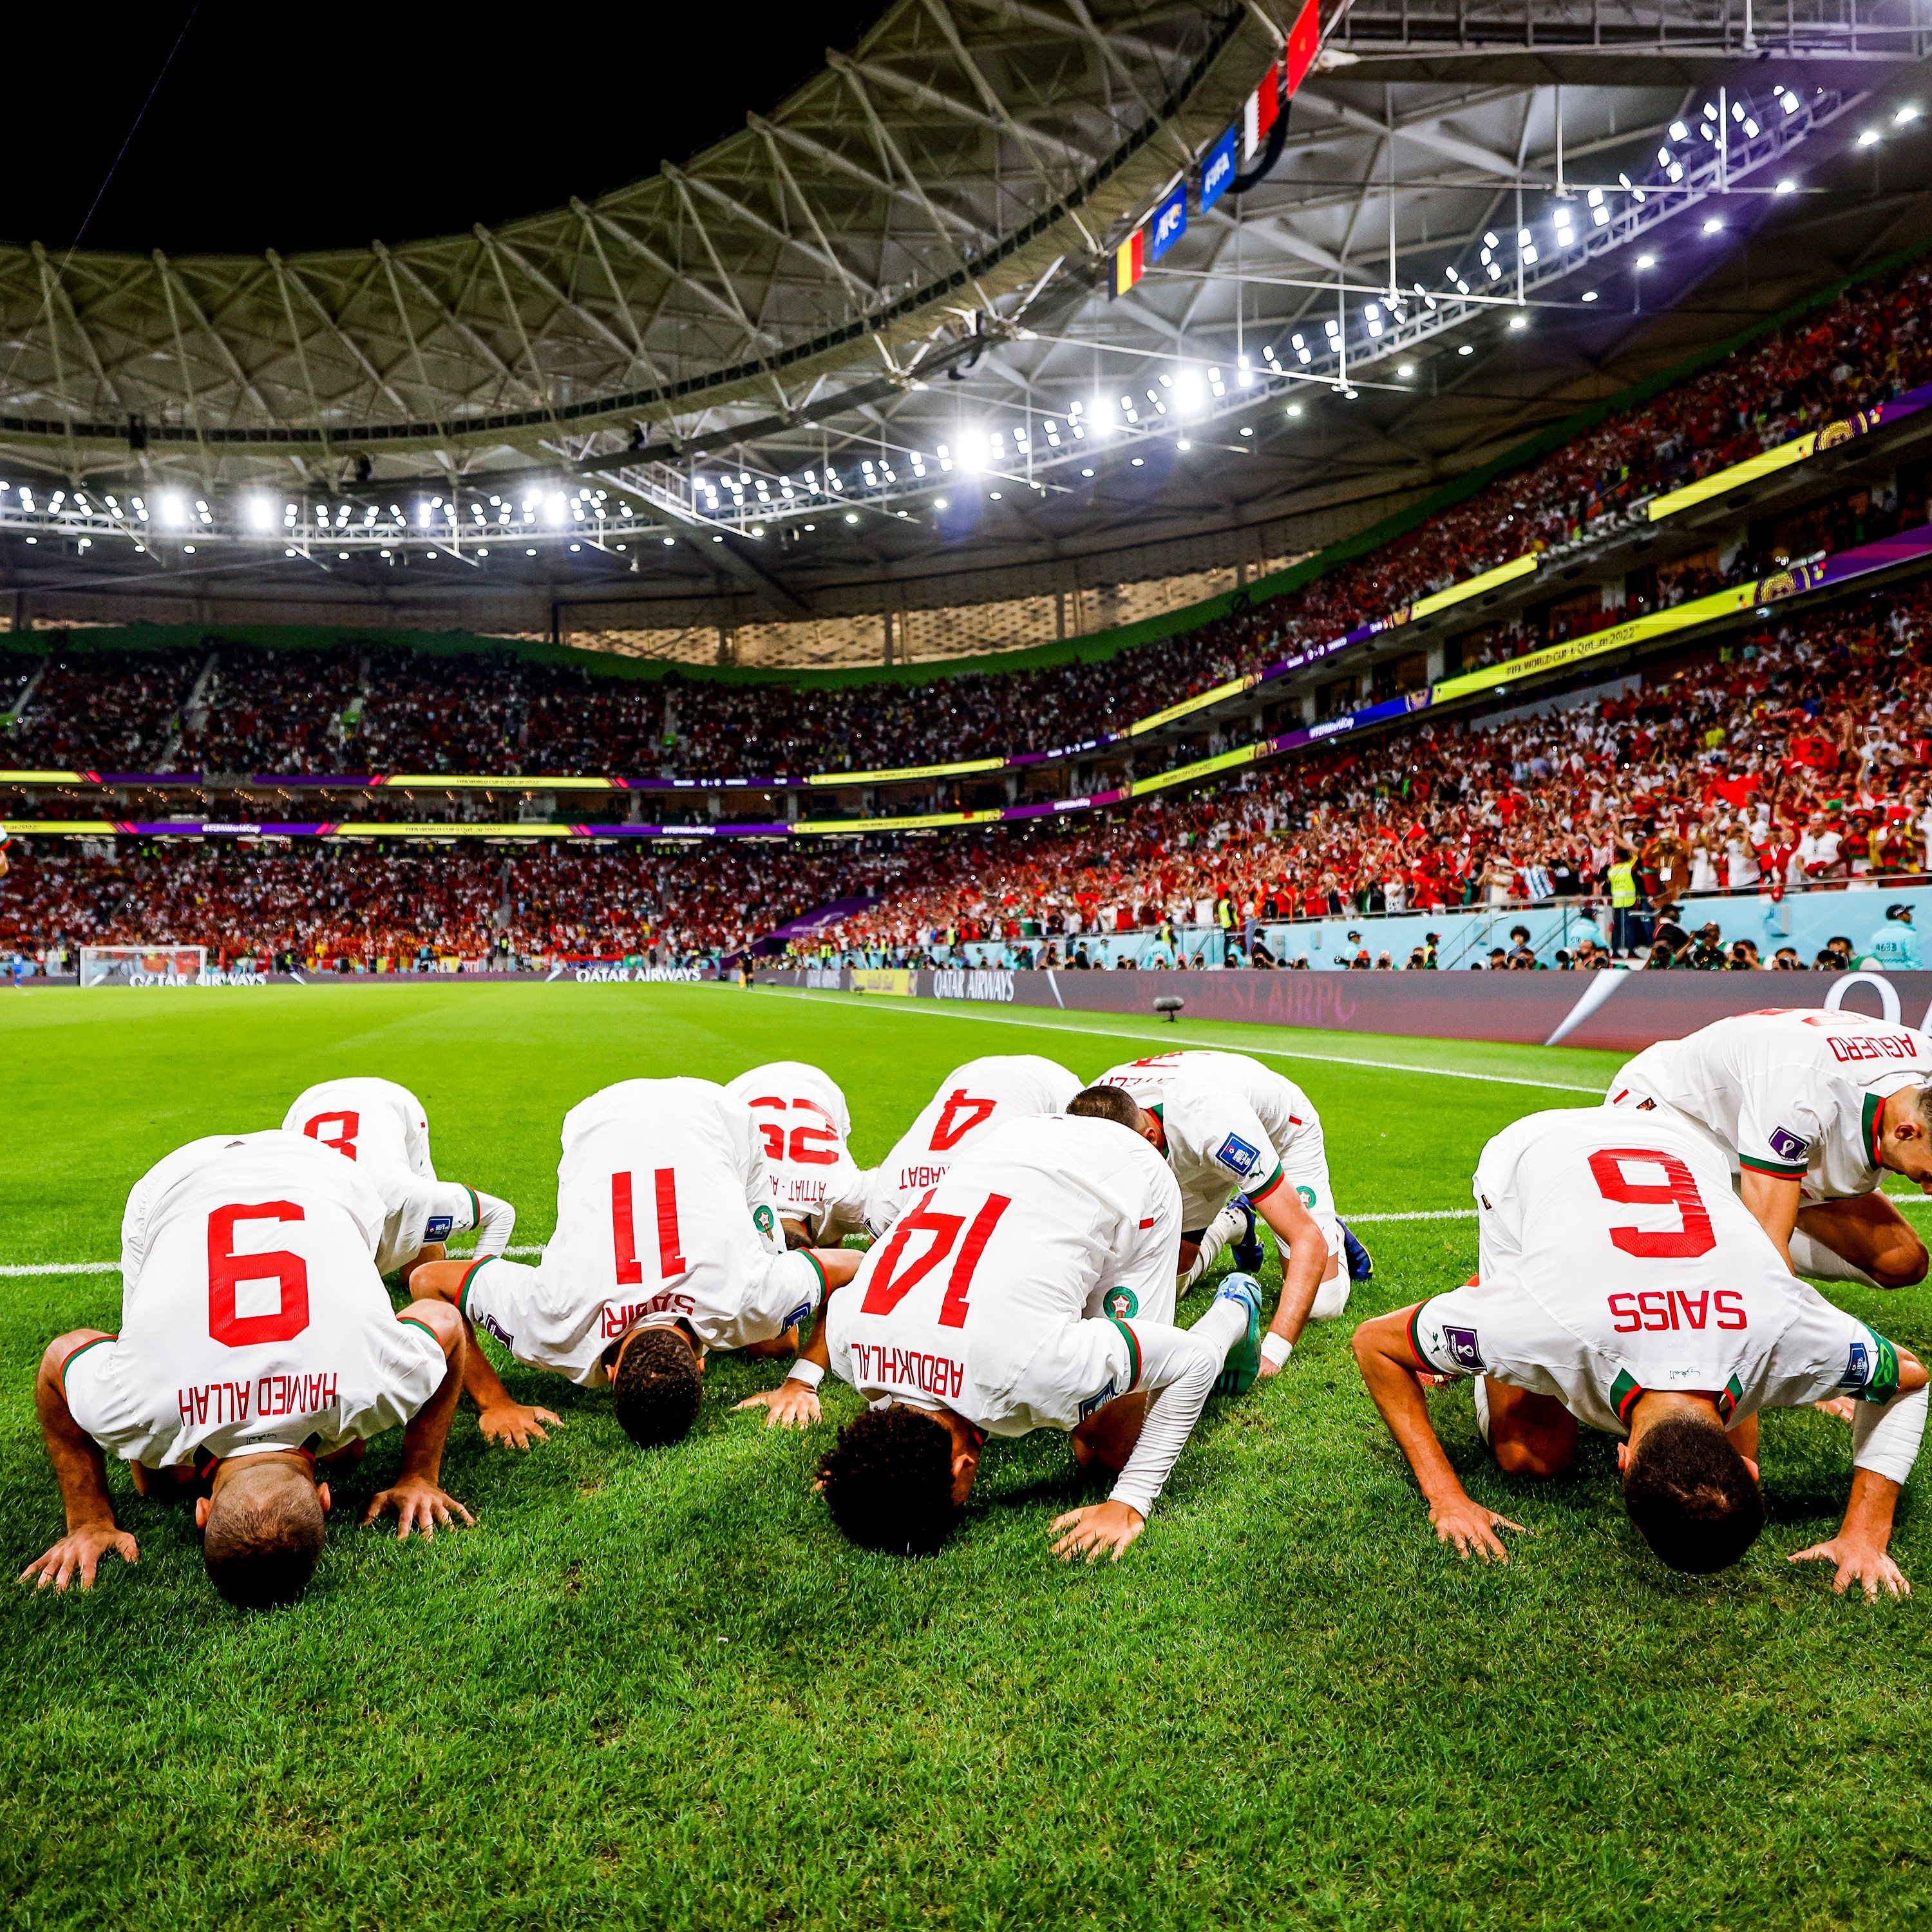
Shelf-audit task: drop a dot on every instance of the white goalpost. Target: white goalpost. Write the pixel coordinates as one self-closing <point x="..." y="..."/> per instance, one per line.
<point x="143" y="965"/>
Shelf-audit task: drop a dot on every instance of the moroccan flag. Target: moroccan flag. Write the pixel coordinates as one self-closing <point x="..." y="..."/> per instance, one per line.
<point x="1304" y="37"/>
<point x="1130" y="262"/>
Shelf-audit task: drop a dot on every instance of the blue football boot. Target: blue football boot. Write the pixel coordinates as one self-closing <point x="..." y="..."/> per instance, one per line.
<point x="1361" y="1263"/>
<point x="1244" y="1362"/>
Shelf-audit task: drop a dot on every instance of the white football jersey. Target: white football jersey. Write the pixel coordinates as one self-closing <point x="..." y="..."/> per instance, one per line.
<point x="663" y="1210"/>
<point x="1797" y="1094"/>
<point x="1233" y="1127"/>
<point x="1009" y="1291"/>
<point x="973" y="1100"/>
<point x="253" y="1318"/>
<point x="804" y="1124"/>
<point x="1615" y="1259"/>
<point x="364" y="1118"/>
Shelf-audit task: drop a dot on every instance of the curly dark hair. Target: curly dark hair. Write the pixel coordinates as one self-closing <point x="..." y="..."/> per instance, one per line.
<point x="1690" y="1495"/>
<point x="1106" y="1103"/>
<point x="888" y="1480"/>
<point x="657" y="1388"/>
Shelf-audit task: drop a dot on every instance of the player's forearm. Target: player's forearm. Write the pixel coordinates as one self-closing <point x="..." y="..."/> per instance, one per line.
<point x="1304" y="1259"/>
<point x="1773" y="1203"/>
<point x="1177" y="1371"/>
<point x="481" y="1381"/>
<point x="79" y="1468"/>
<point x="1398" y="1395"/>
<point x="428" y="1429"/>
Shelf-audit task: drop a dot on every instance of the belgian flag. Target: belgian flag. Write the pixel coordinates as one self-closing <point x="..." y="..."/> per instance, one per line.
<point x="1129" y="263"/>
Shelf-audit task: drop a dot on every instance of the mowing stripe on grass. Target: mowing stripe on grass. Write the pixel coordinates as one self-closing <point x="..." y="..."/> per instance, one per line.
<point x="950" y="1013"/>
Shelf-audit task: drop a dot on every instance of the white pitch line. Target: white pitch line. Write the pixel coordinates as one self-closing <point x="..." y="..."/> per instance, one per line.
<point x="925" y="1012"/>
<point x="1353" y="1220"/>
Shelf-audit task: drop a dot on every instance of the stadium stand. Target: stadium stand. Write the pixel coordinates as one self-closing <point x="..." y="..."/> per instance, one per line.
<point x="1797" y="756"/>
<point x="262" y="710"/>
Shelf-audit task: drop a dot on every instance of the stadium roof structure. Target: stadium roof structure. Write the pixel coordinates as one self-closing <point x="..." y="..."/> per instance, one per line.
<point x="876" y="331"/>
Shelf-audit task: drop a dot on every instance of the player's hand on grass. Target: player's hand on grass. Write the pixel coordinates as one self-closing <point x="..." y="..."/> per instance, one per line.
<point x="79" y="1554"/>
<point x="791" y="1405"/>
<point x="1471" y="1528"/>
<point x="418" y="1505"/>
<point x="516" y="1424"/>
<point x="1858" y="1561"/>
<point x="1096" y="1529"/>
<point x="1839" y="1406"/>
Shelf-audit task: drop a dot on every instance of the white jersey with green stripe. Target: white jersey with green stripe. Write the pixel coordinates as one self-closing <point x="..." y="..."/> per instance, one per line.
<point x="664" y="1214"/>
<point x="1615" y="1259"/>
<point x="253" y="1318"/>
<point x="1232" y="1126"/>
<point x="804" y="1123"/>
<point x="1797" y="1094"/>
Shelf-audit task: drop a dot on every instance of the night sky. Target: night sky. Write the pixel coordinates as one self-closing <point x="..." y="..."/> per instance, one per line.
<point x="317" y="126"/>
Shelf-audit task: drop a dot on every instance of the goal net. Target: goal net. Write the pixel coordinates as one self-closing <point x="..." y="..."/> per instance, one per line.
<point x="143" y="965"/>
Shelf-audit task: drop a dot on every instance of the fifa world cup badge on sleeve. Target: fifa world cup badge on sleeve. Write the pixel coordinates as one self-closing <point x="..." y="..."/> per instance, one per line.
<point x="1464" y="1349"/>
<point x="1235" y="1154"/>
<point x="1788" y="1146"/>
<point x="437" y="1227"/>
<point x="1098" y="1399"/>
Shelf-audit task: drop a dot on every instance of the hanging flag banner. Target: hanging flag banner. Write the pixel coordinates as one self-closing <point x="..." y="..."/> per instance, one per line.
<point x="1129" y="263"/>
<point x="1304" y="38"/>
<point x="1169" y="223"/>
<point x="1257" y="114"/>
<point x="1218" y="169"/>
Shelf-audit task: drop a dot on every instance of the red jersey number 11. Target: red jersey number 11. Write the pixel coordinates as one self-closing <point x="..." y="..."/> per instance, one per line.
<point x="624" y="1228"/>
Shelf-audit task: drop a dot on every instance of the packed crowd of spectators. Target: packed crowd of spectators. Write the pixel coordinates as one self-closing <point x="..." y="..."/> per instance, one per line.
<point x="1799" y="755"/>
<point x="495" y="713"/>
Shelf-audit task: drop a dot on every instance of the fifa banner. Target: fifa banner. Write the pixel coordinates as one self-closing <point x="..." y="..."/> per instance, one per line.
<point x="1614" y="1011"/>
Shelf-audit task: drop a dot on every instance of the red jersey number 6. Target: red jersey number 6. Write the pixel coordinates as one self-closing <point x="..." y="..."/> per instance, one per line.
<point x="1678" y="1189"/>
<point x="227" y="1271"/>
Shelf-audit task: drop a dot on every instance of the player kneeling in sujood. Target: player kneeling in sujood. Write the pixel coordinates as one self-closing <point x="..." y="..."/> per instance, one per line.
<point x="256" y="1341"/>
<point x="1810" y="1110"/>
<point x="1623" y="1285"/>
<point x="804" y="1123"/>
<point x="384" y="1129"/>
<point x="975" y="1099"/>
<point x="1225" y="1122"/>
<point x="666" y="1245"/>
<point x="1032" y="1287"/>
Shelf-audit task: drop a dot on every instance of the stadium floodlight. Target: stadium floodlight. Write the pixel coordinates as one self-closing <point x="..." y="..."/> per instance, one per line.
<point x="1646" y="261"/>
<point x="1866" y="140"/>
<point x="939" y="503"/>
<point x="1405" y="370"/>
<point x="851" y="516"/>
<point x="261" y="513"/>
<point x="1905" y="116"/>
<point x="669" y="543"/>
<point x="1751" y="130"/>
<point x="1589" y="294"/>
<point x="1786" y="187"/>
<point x="1713" y="226"/>
<point x="553" y="507"/>
<point x="1678" y="132"/>
<point x="174" y="511"/>
<point x="1518" y="321"/>
<point x="1676" y="171"/>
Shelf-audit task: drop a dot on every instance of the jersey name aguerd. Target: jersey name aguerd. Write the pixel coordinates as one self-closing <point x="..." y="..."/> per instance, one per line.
<point x="1871" y="1046"/>
<point x="1657" y="1309"/>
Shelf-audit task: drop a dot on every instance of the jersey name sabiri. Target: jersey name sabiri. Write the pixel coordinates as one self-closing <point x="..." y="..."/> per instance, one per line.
<point x="618" y="1315"/>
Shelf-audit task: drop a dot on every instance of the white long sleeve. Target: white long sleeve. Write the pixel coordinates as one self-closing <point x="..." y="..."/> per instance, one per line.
<point x="1178" y="1368"/>
<point x="1886" y="1436"/>
<point x="496" y="1221"/>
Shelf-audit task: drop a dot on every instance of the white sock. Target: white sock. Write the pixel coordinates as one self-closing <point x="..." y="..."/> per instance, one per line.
<point x="1331" y="1297"/>
<point x="1810" y="1255"/>
<point x="1226" y="1226"/>
<point x="1224" y="1324"/>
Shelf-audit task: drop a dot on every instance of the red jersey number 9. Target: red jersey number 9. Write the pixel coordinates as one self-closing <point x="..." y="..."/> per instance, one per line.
<point x="227" y="1271"/>
<point x="1678" y="1189"/>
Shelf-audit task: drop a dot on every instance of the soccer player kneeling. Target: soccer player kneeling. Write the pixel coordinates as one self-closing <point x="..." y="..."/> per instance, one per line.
<point x="256" y="1339"/>
<point x="1033" y="1288"/>
<point x="804" y="1124"/>
<point x="667" y="1245"/>
<point x="382" y="1127"/>
<point x="1622" y="1284"/>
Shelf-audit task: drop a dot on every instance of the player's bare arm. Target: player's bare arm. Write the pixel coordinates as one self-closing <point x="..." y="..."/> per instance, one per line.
<point x="417" y="1495"/>
<point x="793" y="1404"/>
<point x="500" y="1415"/>
<point x="1862" y="1549"/>
<point x="1392" y="1370"/>
<point x="1306" y="1263"/>
<point x="1103" y="1443"/>
<point x="81" y="1471"/>
<point x="1774" y="1200"/>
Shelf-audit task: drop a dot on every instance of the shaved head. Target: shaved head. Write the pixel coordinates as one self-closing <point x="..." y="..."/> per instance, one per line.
<point x="264" y="1533"/>
<point x="1106" y="1103"/>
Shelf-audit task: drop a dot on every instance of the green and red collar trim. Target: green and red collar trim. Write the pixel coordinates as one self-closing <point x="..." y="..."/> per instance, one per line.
<point x="1874" y="1125"/>
<point x="1624" y="1392"/>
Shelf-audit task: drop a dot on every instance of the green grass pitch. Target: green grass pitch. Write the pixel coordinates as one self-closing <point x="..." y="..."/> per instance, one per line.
<point x="660" y="1691"/>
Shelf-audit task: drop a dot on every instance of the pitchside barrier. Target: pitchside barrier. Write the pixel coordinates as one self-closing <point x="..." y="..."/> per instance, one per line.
<point x="1621" y="1012"/>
